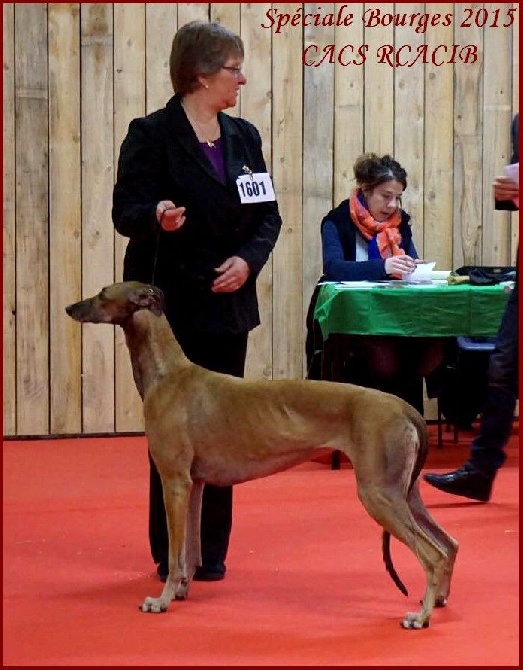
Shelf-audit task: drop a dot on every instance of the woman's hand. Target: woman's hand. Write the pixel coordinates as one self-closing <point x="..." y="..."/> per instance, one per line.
<point x="233" y="275"/>
<point x="169" y="216"/>
<point x="399" y="265"/>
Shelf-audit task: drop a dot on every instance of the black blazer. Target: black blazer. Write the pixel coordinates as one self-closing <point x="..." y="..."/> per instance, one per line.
<point x="160" y="159"/>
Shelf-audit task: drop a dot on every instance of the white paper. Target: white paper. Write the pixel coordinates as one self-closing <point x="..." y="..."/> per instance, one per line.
<point x="512" y="172"/>
<point x="422" y="273"/>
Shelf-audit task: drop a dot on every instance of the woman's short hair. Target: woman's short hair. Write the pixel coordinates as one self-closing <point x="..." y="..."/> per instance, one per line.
<point x="200" y="48"/>
<point x="370" y="170"/>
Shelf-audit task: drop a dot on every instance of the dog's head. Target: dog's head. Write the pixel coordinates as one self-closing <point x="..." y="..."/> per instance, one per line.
<point x="116" y="303"/>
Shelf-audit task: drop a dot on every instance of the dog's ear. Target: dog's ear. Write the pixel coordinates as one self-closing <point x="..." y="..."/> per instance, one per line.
<point x="151" y="298"/>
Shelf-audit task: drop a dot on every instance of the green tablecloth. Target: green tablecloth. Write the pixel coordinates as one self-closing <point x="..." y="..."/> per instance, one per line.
<point x="410" y="310"/>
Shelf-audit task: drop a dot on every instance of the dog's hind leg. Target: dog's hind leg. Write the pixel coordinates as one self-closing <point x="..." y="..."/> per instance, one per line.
<point x="176" y="493"/>
<point x="447" y="543"/>
<point x="193" y="556"/>
<point x="391" y="510"/>
<point x="434" y="561"/>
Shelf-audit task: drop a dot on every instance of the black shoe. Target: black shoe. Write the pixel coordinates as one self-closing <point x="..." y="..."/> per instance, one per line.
<point x="210" y="573"/>
<point x="466" y="481"/>
<point x="163" y="570"/>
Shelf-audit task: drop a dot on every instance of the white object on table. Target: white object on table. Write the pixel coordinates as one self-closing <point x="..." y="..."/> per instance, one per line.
<point x="422" y="273"/>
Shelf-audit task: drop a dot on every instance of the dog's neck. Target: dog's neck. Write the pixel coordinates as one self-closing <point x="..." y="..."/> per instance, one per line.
<point x="153" y="348"/>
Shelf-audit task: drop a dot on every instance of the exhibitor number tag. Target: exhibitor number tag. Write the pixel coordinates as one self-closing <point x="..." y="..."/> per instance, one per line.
<point x="255" y="187"/>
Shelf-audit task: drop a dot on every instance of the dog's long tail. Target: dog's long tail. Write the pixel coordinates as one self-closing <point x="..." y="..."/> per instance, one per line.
<point x="388" y="563"/>
<point x="421" y="456"/>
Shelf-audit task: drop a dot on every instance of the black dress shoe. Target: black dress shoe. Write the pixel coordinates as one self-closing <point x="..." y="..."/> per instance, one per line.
<point x="466" y="481"/>
<point x="210" y="573"/>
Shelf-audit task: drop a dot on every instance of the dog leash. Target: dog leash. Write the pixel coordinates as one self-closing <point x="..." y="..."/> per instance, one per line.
<point x="155" y="260"/>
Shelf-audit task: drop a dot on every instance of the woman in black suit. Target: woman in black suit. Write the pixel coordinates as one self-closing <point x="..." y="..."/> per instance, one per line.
<point x="194" y="234"/>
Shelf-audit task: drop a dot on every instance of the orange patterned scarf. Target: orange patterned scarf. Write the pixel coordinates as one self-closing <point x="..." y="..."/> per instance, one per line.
<point x="387" y="234"/>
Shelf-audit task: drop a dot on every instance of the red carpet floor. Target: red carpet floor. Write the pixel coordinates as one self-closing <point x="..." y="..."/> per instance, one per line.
<point x="305" y="583"/>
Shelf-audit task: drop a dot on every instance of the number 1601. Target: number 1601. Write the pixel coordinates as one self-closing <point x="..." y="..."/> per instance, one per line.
<point x="252" y="188"/>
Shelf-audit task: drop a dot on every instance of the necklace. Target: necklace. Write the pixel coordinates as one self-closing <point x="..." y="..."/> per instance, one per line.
<point x="196" y="125"/>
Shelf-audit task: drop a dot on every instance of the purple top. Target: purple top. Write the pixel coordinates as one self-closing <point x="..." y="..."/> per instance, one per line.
<point x="215" y="156"/>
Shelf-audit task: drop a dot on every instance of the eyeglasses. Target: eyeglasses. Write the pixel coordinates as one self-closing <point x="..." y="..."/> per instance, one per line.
<point x="237" y="71"/>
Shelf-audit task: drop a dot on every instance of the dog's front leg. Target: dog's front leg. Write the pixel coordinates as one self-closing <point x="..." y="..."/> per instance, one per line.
<point x="176" y="492"/>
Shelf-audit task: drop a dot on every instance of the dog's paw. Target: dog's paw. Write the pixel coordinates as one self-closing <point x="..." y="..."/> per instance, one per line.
<point x="413" y="621"/>
<point x="155" y="605"/>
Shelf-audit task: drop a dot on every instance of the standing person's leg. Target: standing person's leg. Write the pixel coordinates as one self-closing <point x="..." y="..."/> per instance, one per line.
<point x="220" y="353"/>
<point x="224" y="353"/>
<point x="158" y="536"/>
<point x="474" y="479"/>
<point x="497" y="418"/>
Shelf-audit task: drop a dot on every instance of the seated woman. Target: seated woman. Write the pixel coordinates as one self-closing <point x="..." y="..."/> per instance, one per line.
<point x="368" y="237"/>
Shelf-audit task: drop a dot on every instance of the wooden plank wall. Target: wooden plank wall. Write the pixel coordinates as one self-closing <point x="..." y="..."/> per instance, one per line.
<point x="75" y="74"/>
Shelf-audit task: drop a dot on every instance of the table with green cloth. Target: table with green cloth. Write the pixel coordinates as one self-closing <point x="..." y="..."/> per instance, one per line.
<point x="395" y="308"/>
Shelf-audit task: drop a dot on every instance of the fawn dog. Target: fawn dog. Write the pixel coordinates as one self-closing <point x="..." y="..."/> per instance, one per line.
<point x="202" y="426"/>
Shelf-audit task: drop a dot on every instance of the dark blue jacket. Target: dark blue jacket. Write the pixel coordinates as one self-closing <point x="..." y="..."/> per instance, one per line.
<point x="338" y="235"/>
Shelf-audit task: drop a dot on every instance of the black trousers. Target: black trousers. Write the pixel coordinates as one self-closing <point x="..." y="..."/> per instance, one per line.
<point x="221" y="353"/>
<point x="497" y="417"/>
